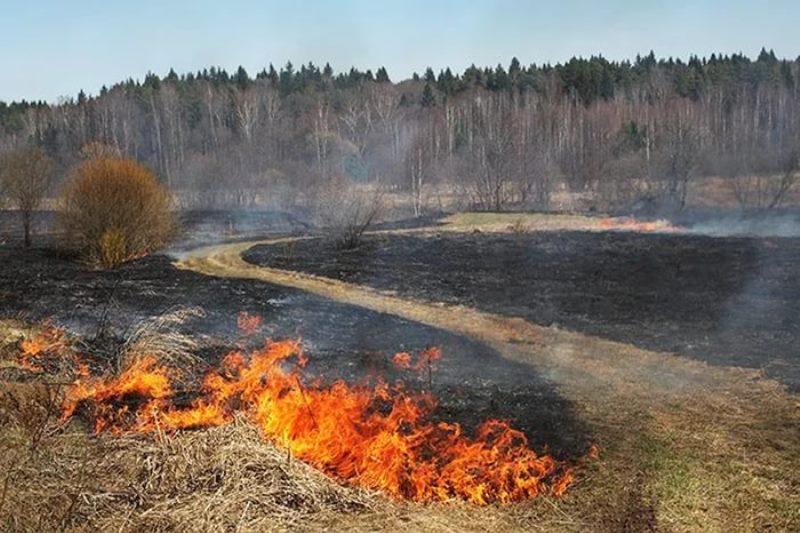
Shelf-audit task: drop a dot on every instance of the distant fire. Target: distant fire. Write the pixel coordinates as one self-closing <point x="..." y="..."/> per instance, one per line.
<point x="631" y="224"/>
<point x="377" y="436"/>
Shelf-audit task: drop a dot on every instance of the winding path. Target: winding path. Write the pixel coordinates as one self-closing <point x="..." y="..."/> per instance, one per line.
<point x="574" y="361"/>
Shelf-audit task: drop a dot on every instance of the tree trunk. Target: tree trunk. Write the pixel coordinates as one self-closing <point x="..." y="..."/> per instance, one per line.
<point x="26" y="227"/>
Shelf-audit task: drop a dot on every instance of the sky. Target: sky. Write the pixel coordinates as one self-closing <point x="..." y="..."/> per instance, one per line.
<point x="54" y="48"/>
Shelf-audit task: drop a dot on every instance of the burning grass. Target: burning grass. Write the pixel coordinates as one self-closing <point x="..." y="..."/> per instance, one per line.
<point x="377" y="436"/>
<point x="722" y="458"/>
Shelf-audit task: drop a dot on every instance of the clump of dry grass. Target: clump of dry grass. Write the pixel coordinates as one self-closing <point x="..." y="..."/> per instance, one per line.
<point x="161" y="337"/>
<point x="223" y="478"/>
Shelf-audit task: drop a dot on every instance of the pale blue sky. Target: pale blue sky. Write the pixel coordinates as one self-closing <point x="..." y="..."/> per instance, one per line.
<point x="52" y="48"/>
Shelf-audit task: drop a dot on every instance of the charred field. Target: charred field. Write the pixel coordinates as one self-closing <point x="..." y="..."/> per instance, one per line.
<point x="724" y="300"/>
<point x="621" y="354"/>
<point x="344" y="342"/>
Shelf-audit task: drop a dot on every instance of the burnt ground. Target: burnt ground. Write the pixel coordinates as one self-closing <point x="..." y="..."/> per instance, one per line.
<point x="727" y="301"/>
<point x="472" y="381"/>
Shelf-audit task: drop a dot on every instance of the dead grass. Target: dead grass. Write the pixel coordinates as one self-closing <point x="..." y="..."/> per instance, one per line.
<point x="56" y="476"/>
<point x="162" y="338"/>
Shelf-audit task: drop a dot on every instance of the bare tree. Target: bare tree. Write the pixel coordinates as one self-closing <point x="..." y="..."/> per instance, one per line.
<point x="346" y="211"/>
<point x="679" y="153"/>
<point x="26" y="176"/>
<point x="418" y="165"/>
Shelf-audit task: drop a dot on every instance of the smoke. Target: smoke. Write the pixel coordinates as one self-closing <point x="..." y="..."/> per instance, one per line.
<point x="762" y="225"/>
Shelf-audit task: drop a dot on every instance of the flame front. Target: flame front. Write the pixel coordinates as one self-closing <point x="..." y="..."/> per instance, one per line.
<point x="631" y="224"/>
<point x="377" y="437"/>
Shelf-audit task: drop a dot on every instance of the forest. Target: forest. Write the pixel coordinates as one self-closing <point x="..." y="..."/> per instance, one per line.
<point x="613" y="133"/>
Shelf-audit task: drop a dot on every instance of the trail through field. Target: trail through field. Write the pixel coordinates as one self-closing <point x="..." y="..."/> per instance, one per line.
<point x="573" y="360"/>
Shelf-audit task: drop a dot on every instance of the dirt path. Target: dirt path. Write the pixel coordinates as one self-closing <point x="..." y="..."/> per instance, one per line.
<point x="572" y="360"/>
<point x="678" y="436"/>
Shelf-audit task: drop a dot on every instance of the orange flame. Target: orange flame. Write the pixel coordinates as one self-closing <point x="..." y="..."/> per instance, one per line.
<point x="248" y="324"/>
<point x="46" y="348"/>
<point x="425" y="360"/>
<point x="379" y="437"/>
<point x="631" y="224"/>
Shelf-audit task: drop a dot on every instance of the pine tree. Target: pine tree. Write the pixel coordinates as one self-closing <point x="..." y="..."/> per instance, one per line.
<point x="382" y="76"/>
<point x="242" y="79"/>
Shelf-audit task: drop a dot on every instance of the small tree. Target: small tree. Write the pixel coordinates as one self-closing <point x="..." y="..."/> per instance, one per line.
<point x="26" y="177"/>
<point x="347" y="211"/>
<point x="115" y="209"/>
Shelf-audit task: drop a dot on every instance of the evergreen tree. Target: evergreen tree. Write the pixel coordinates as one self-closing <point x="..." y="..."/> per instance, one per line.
<point x="286" y="82"/>
<point x="242" y="79"/>
<point x="382" y="76"/>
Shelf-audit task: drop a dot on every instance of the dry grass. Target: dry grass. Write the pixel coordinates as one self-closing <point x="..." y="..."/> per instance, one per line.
<point x="56" y="476"/>
<point x="162" y="338"/>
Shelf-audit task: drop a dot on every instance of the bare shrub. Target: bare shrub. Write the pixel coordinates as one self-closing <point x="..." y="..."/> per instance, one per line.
<point x="25" y="177"/>
<point x="115" y="209"/>
<point x="756" y="188"/>
<point x="347" y="211"/>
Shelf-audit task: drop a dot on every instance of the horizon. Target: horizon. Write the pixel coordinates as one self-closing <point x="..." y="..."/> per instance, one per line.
<point x="90" y="46"/>
<point x="420" y="71"/>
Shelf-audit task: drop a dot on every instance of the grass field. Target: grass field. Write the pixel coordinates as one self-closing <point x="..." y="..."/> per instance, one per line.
<point x="684" y="446"/>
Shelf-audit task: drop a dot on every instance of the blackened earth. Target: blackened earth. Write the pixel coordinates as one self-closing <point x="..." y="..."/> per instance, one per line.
<point x="727" y="301"/>
<point x="472" y="381"/>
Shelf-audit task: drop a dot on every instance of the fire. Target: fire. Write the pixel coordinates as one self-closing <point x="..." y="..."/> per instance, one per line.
<point x="631" y="224"/>
<point x="405" y="361"/>
<point x="248" y="324"/>
<point x="377" y="436"/>
<point x="45" y="349"/>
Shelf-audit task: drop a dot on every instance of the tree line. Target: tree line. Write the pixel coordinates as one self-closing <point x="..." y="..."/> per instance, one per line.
<point x="615" y="132"/>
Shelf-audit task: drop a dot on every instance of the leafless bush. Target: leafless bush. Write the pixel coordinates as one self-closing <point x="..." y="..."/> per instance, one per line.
<point x="755" y="188"/>
<point x="115" y="209"/>
<point x="347" y="211"/>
